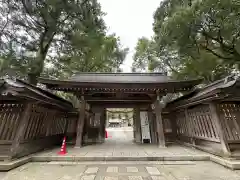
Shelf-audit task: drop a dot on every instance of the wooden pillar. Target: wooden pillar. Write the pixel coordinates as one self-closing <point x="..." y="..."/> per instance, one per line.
<point x="173" y="121"/>
<point x="159" y="124"/>
<point x="222" y="137"/>
<point x="102" y="126"/>
<point x="88" y="125"/>
<point x="134" y="125"/>
<point x="66" y="125"/>
<point x="138" y="125"/>
<point x="151" y="125"/>
<point x="81" y="120"/>
<point x="104" y="123"/>
<point x="23" y="123"/>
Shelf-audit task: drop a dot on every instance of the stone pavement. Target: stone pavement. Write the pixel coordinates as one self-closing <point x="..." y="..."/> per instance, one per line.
<point x="119" y="158"/>
<point x="122" y="171"/>
<point x="120" y="146"/>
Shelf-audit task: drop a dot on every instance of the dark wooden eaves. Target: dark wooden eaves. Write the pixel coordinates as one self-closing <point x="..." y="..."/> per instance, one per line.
<point x="18" y="90"/>
<point x="221" y="90"/>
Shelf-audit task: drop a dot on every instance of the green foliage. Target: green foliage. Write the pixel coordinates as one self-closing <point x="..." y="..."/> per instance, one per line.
<point x="195" y="38"/>
<point x="92" y="54"/>
<point x="145" y="57"/>
<point x="64" y="36"/>
<point x="211" y="26"/>
<point x="205" y="66"/>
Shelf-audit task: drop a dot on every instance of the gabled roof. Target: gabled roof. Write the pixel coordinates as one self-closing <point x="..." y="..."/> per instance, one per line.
<point x="120" y="77"/>
<point x="88" y="81"/>
<point x="19" y="90"/>
<point x="224" y="89"/>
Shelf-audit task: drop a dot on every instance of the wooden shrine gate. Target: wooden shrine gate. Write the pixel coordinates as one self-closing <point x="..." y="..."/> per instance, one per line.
<point x="140" y="91"/>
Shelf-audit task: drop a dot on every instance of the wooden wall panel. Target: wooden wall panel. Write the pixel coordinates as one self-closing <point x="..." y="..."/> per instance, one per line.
<point x="197" y="122"/>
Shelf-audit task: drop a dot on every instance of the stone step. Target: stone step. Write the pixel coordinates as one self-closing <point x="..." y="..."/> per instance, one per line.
<point x="120" y="158"/>
<point x="6" y="166"/>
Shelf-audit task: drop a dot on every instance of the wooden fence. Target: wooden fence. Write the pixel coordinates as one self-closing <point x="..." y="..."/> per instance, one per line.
<point x="209" y="118"/>
<point x="44" y="128"/>
<point x="197" y="123"/>
<point x="32" y="119"/>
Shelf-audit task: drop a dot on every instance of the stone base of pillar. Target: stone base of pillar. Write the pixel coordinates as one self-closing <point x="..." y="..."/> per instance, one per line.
<point x="138" y="138"/>
<point x="85" y="139"/>
<point x="161" y="146"/>
<point x="94" y="140"/>
<point x="100" y="139"/>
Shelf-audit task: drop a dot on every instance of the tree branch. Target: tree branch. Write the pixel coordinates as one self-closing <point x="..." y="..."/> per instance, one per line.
<point x="29" y="13"/>
<point x="214" y="53"/>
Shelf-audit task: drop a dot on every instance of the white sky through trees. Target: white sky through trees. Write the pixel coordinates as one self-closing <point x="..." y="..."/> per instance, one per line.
<point x="130" y="20"/>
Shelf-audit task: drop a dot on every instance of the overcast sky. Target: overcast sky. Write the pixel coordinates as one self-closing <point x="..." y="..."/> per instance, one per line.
<point x="130" y="20"/>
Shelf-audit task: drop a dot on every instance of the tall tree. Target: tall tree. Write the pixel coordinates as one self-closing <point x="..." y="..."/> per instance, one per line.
<point x="91" y="53"/>
<point x="193" y="28"/>
<point x="193" y="39"/>
<point x="36" y="33"/>
<point x="149" y="58"/>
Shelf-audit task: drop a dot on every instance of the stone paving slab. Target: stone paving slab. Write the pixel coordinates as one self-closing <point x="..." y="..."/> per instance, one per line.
<point x="130" y="171"/>
<point x="122" y="151"/>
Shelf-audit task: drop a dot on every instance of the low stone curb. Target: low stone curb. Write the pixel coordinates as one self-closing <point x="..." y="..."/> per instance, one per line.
<point x="6" y="166"/>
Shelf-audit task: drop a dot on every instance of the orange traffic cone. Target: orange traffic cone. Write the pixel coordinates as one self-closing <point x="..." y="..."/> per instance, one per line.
<point x="63" y="148"/>
<point x="106" y="134"/>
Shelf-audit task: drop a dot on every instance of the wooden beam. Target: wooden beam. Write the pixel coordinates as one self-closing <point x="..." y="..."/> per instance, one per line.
<point x="117" y="100"/>
<point x="112" y="104"/>
<point x="221" y="134"/>
<point x="159" y="124"/>
<point x="126" y="91"/>
<point x="22" y="126"/>
<point x="81" y="120"/>
<point x="113" y="97"/>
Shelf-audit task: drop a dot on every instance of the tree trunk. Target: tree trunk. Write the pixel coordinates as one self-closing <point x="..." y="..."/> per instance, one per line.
<point x="36" y="68"/>
<point x="32" y="78"/>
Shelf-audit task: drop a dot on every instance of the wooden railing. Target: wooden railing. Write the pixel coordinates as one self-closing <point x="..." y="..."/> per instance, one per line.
<point x="44" y="128"/>
<point x="229" y="113"/>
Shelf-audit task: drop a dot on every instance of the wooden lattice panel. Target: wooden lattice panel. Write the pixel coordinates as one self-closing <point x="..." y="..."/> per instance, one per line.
<point x="197" y="122"/>
<point x="37" y="123"/>
<point x="167" y="125"/>
<point x="201" y="123"/>
<point x="181" y="123"/>
<point x="72" y="124"/>
<point x="9" y="119"/>
<point x="58" y="124"/>
<point x="229" y="114"/>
